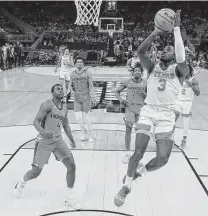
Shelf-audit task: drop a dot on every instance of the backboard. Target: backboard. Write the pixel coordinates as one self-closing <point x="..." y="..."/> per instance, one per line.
<point x="111" y="23"/>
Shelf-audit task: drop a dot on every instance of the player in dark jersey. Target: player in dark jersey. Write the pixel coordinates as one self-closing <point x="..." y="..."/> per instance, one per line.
<point x="49" y="121"/>
<point x="81" y="87"/>
<point x="136" y="93"/>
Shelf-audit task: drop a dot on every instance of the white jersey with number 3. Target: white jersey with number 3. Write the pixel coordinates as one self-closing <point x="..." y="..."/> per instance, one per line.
<point x="186" y="93"/>
<point x="163" y="87"/>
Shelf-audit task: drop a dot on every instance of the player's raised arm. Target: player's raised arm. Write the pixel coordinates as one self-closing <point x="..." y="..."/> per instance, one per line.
<point x="145" y="60"/>
<point x="179" y="47"/>
<point x="119" y="90"/>
<point x="39" y="119"/>
<point x="128" y="65"/>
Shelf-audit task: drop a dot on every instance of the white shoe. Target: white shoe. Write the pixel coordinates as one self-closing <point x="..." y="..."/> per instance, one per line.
<point x="183" y="144"/>
<point x="126" y="158"/>
<point x="70" y="202"/>
<point x="91" y="137"/>
<point x="84" y="136"/>
<point x="19" y="188"/>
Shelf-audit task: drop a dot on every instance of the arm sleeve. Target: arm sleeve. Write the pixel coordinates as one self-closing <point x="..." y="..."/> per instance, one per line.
<point x="179" y="46"/>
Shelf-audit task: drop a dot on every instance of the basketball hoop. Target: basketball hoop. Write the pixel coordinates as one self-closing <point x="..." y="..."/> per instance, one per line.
<point x="87" y="12"/>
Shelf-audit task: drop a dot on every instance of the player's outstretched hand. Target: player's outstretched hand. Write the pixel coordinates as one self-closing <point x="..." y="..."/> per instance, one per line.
<point x="73" y="144"/>
<point x="177" y="20"/>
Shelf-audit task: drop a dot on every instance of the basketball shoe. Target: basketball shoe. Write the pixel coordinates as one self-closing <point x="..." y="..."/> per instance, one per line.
<point x="183" y="144"/>
<point x="19" y="188"/>
<point x="84" y="136"/>
<point x="70" y="202"/>
<point x="90" y="136"/>
<point x="121" y="196"/>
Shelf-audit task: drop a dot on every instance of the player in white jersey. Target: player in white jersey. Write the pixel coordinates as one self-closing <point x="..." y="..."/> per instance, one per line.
<point x="49" y="121"/>
<point x="189" y="88"/>
<point x="66" y="63"/>
<point x="163" y="86"/>
<point x="133" y="62"/>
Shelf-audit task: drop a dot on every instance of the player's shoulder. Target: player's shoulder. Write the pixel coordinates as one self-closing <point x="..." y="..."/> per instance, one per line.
<point x="126" y="82"/>
<point x="47" y="105"/>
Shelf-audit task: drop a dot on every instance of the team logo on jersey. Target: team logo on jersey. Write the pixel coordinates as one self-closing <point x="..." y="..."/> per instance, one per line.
<point x="161" y="74"/>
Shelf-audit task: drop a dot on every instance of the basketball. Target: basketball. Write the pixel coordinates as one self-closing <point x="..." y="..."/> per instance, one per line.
<point x="164" y="19"/>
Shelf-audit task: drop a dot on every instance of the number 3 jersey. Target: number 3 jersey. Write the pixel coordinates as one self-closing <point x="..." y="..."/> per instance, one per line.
<point x="163" y="87"/>
<point x="135" y="95"/>
<point x="53" y="120"/>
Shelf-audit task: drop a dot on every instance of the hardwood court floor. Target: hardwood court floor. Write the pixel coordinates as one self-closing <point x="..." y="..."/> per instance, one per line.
<point x="173" y="190"/>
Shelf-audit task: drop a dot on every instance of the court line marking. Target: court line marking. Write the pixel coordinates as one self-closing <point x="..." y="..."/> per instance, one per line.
<point x="194" y="171"/>
<point x="184" y="154"/>
<point x="86" y="210"/>
<point x="3" y="167"/>
<point x="95" y="123"/>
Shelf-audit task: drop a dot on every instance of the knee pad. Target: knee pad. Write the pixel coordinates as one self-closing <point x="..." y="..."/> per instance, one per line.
<point x="142" y="131"/>
<point x="165" y="135"/>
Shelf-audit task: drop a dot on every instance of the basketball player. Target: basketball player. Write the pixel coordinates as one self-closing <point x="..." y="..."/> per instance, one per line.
<point x="66" y="63"/>
<point x="136" y="93"/>
<point x="48" y="122"/>
<point x="133" y="62"/>
<point x="163" y="86"/>
<point x="189" y="88"/>
<point x="81" y="87"/>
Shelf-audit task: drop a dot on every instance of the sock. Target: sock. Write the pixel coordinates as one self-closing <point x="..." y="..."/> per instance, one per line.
<point x="22" y="180"/>
<point x="87" y="118"/>
<point x="129" y="181"/>
<point x="70" y="190"/>
<point x="80" y="121"/>
<point x="185" y="126"/>
<point x="142" y="170"/>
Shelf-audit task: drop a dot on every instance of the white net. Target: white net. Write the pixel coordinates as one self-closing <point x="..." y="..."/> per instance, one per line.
<point x="87" y="12"/>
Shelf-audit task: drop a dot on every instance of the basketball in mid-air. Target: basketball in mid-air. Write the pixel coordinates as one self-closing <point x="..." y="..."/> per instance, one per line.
<point x="164" y="19"/>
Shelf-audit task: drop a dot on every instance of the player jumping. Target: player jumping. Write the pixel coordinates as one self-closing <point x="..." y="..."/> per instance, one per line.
<point x="163" y="86"/>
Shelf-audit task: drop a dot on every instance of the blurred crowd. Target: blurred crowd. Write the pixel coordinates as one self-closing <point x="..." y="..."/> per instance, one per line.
<point x="57" y="18"/>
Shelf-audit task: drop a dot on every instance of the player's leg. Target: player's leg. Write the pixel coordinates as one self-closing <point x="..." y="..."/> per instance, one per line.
<point x="79" y="118"/>
<point x="141" y="143"/>
<point x="186" y="115"/>
<point x="129" y="119"/>
<point x="63" y="153"/>
<point x="86" y="105"/>
<point x="164" y="140"/>
<point x="177" y="111"/>
<point x="41" y="156"/>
